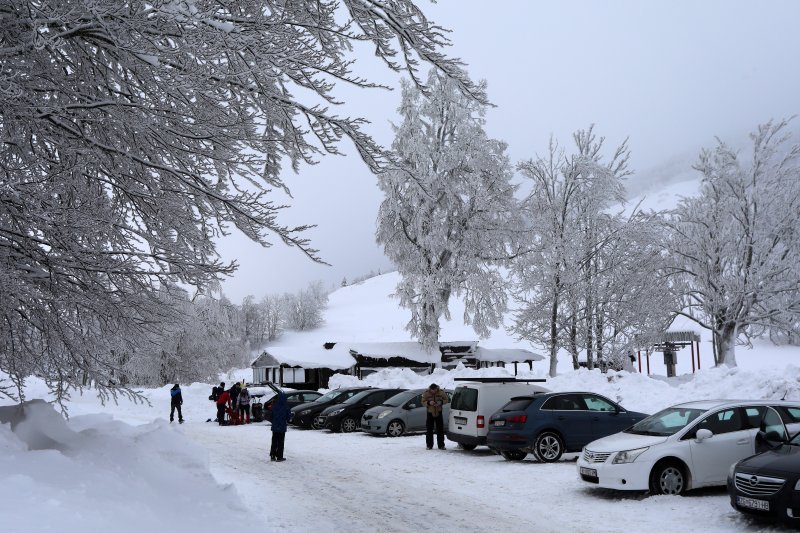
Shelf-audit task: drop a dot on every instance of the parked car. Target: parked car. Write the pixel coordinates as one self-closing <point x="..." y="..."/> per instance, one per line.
<point x="476" y="401"/>
<point x="683" y="447"/>
<point x="293" y="399"/>
<point x="303" y="415"/>
<point x="768" y="484"/>
<point x="400" y="414"/>
<point x="549" y="425"/>
<point x="346" y="416"/>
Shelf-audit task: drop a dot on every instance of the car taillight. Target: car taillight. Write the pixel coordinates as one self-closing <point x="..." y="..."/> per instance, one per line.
<point x="481" y="423"/>
<point x="517" y="419"/>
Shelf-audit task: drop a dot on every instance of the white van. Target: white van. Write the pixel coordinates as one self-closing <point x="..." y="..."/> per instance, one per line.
<point x="477" y="400"/>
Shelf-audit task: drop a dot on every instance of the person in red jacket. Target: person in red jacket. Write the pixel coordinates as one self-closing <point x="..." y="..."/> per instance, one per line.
<point x="223" y="402"/>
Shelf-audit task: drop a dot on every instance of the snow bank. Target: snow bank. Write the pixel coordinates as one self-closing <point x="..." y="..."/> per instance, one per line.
<point x="93" y="473"/>
<point x="634" y="391"/>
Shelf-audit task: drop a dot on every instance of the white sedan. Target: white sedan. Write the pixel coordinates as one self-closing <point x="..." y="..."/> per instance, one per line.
<point x="686" y="446"/>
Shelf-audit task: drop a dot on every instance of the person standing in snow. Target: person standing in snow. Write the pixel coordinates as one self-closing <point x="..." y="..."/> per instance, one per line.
<point x="244" y="405"/>
<point x="280" y="419"/>
<point x="175" y="403"/>
<point x="223" y="402"/>
<point x="434" y="399"/>
<point x="234" y="392"/>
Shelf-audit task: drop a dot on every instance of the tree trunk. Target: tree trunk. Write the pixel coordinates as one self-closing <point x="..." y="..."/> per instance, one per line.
<point x="554" y="333"/>
<point x="726" y="343"/>
<point x="573" y="342"/>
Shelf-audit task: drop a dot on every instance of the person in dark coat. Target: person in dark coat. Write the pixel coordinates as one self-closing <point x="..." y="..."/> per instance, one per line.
<point x="175" y="403"/>
<point x="280" y="420"/>
<point x="234" y="392"/>
<point x="434" y="399"/>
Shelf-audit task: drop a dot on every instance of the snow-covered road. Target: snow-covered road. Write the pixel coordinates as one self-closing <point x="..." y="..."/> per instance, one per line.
<point x="356" y="482"/>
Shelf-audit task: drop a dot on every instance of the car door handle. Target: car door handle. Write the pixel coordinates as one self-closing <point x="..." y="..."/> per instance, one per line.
<point x="743" y="441"/>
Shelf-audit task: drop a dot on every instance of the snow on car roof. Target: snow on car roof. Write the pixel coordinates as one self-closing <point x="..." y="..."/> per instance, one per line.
<point x="714" y="404"/>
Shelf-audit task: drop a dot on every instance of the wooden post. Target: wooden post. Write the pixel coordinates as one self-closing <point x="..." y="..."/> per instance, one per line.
<point x="639" y="356"/>
<point x="698" y="354"/>
<point x="281" y="375"/>
<point x="515" y="368"/>
<point x="692" y="346"/>
<point x="648" y="363"/>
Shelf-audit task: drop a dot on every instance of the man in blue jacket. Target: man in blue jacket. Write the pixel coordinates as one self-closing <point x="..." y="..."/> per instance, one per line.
<point x="280" y="419"/>
<point x="175" y="403"/>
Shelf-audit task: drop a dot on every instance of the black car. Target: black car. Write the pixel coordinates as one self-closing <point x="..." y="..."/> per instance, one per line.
<point x="768" y="484"/>
<point x="346" y="416"/>
<point x="551" y="424"/>
<point x="303" y="415"/>
<point x="293" y="398"/>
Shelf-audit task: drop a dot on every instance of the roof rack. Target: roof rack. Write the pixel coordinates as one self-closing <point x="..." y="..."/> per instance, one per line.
<point x="501" y="380"/>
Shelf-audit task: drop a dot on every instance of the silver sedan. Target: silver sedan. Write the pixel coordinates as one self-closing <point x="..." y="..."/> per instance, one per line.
<point x="402" y="413"/>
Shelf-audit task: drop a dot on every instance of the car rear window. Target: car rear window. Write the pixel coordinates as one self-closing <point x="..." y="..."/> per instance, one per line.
<point x="465" y="399"/>
<point x="517" y="404"/>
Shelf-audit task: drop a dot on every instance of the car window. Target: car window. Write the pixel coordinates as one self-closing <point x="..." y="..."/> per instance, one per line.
<point x="721" y="422"/>
<point x="465" y="399"/>
<point x="400" y="398"/>
<point x="329" y="396"/>
<point x="517" y="404"/>
<point x="666" y="422"/>
<point x="565" y="402"/>
<point x="415" y="402"/>
<point x="310" y="396"/>
<point x="596" y="403"/>
<point x="791" y="414"/>
<point x="772" y="423"/>
<point x="753" y="415"/>
<point x="355" y="397"/>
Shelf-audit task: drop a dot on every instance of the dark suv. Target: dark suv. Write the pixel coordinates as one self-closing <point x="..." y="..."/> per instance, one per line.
<point x="304" y="414"/>
<point x="346" y="416"/>
<point x="549" y="425"/>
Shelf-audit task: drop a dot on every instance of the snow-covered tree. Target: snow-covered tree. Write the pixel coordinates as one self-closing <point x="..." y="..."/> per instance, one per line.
<point x="737" y="244"/>
<point x="303" y="311"/>
<point x="134" y="133"/>
<point x="447" y="211"/>
<point x="563" y="283"/>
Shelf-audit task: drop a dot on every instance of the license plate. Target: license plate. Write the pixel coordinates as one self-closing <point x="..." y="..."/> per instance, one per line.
<point x="588" y="472"/>
<point x="499" y="422"/>
<point x="752" y="503"/>
<point x="459" y="420"/>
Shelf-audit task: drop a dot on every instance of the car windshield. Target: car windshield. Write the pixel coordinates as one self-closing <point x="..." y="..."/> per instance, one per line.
<point x="358" y="397"/>
<point x="795" y="440"/>
<point x="666" y="422"/>
<point x="400" y="399"/>
<point x="328" y="396"/>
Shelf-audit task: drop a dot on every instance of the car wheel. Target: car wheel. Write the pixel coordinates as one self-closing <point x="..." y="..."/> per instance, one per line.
<point x="395" y="428"/>
<point x="548" y="447"/>
<point x="315" y="425"/>
<point x="668" y="478"/>
<point x="513" y="455"/>
<point x="468" y="447"/>
<point x="349" y="425"/>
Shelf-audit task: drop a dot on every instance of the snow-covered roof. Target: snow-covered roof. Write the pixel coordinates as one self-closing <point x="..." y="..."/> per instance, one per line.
<point x="384" y="350"/>
<point x="506" y="355"/>
<point x="314" y="356"/>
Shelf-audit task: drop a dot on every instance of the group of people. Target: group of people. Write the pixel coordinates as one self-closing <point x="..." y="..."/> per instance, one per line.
<point x="236" y="403"/>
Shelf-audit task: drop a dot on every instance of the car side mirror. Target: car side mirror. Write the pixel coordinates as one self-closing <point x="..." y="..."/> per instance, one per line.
<point x="411" y="406"/>
<point x="703" y="434"/>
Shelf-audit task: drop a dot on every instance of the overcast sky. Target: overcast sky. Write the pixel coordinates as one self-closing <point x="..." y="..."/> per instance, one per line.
<point x="668" y="75"/>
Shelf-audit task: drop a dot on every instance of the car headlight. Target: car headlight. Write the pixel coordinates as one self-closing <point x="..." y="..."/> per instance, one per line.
<point x="732" y="471"/>
<point x="336" y="412"/>
<point x="384" y="413"/>
<point x="305" y="412"/>
<point x="628" y="456"/>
